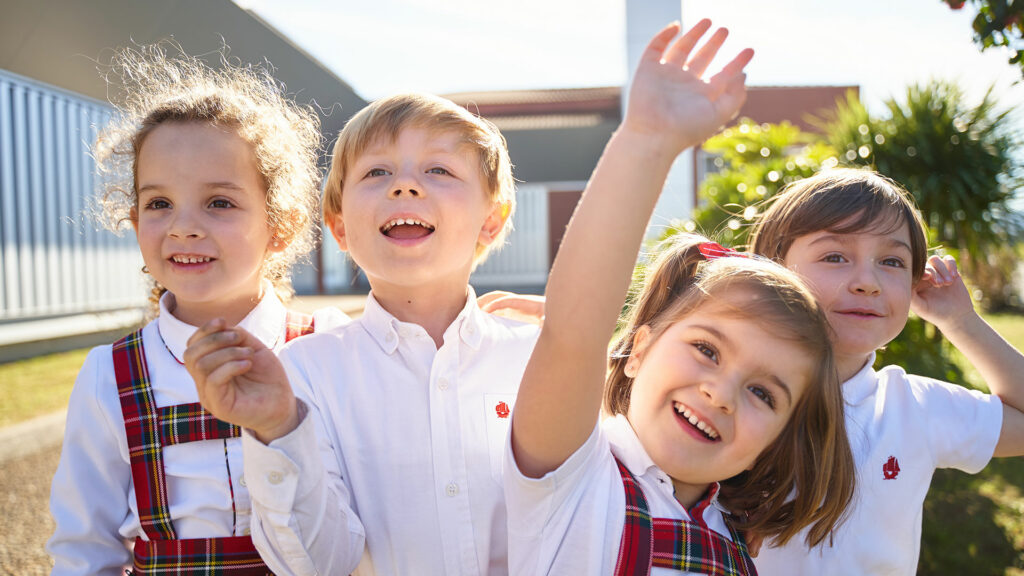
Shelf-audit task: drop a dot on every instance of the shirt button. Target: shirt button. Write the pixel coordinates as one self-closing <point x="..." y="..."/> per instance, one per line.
<point x="451" y="489"/>
<point x="442" y="383"/>
<point x="241" y="480"/>
<point x="274" y="478"/>
<point x="246" y="532"/>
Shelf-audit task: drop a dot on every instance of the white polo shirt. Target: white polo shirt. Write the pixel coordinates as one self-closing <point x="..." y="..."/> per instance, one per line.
<point x="92" y="498"/>
<point x="901" y="428"/>
<point x="570" y="520"/>
<point x="407" y="436"/>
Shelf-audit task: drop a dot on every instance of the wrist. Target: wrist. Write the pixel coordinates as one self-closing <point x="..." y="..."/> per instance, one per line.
<point x="282" y="427"/>
<point x="653" y="146"/>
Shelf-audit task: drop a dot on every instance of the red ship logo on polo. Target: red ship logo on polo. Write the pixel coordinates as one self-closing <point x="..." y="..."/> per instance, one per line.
<point x="891" y="468"/>
<point x="502" y="410"/>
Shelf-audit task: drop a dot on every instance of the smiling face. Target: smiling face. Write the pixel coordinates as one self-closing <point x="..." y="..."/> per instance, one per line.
<point x="711" y="392"/>
<point x="201" y="219"/>
<point x="413" y="211"/>
<point x="863" y="281"/>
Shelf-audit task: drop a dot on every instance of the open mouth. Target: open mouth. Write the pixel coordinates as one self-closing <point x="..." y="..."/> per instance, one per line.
<point x="406" y="229"/>
<point x="190" y="259"/>
<point x="705" y="429"/>
<point x="857" y="313"/>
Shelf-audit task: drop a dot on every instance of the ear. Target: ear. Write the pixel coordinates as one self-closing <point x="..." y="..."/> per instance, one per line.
<point x="280" y="240"/>
<point x="641" y="339"/>
<point x="494" y="224"/>
<point x="336" y="224"/>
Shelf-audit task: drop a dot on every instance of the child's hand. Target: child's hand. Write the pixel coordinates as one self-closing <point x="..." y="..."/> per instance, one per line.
<point x="941" y="297"/>
<point x="241" y="381"/>
<point x="670" y="102"/>
<point x="525" y="308"/>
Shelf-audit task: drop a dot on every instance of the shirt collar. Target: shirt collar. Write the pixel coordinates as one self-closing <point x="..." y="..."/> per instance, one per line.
<point x="627" y="448"/>
<point x="387" y="330"/>
<point x="862" y="384"/>
<point x="264" y="322"/>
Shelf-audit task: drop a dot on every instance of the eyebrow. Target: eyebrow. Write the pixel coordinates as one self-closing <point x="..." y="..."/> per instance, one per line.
<point x="841" y="238"/>
<point x="209" y="186"/>
<point x="726" y="343"/>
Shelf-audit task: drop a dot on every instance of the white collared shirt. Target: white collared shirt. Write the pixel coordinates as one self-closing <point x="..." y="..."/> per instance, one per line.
<point x="410" y="449"/>
<point x="92" y="498"/>
<point x="570" y="520"/>
<point x="901" y="428"/>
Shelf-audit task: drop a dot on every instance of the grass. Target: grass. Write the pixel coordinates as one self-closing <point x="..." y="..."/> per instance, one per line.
<point x="38" y="385"/>
<point x="973" y="524"/>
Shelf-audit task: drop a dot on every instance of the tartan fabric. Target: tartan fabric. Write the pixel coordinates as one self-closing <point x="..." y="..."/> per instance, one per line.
<point x="142" y="430"/>
<point x="297" y="324"/>
<point x="235" y="555"/>
<point x="675" y="544"/>
<point x="191" y="423"/>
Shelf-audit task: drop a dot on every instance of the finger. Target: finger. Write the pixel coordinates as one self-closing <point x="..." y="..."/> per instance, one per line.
<point x="719" y="82"/>
<point x="247" y="339"/>
<point x="656" y="47"/>
<point x="486" y="299"/>
<point x="215" y="325"/>
<point x="699" y="63"/>
<point x="940" y="267"/>
<point x="209" y="364"/>
<point x="223" y="376"/>
<point x="954" y="271"/>
<point x="209" y="343"/>
<point x="680" y="49"/>
<point x="730" y="101"/>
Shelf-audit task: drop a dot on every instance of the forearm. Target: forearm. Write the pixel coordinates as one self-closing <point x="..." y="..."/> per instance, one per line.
<point x="1000" y="365"/>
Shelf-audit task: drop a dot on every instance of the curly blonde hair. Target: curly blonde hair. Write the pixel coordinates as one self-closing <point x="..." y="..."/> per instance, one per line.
<point x="153" y="88"/>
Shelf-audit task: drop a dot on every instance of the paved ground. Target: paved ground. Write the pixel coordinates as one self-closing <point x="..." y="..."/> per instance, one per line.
<point x="28" y="458"/>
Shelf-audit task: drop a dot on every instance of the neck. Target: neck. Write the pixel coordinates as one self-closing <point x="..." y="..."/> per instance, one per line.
<point x="434" y="310"/>
<point x="688" y="494"/>
<point x="848" y="366"/>
<point x="199" y="313"/>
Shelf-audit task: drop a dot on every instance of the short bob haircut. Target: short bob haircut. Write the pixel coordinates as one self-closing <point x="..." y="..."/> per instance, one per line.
<point x="386" y="118"/>
<point x="841" y="201"/>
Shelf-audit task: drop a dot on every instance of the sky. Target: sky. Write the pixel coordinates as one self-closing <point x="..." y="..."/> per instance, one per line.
<point x="441" y="46"/>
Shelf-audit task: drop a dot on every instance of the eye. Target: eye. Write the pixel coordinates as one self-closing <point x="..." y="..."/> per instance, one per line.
<point x="834" y="258"/>
<point x="157" y="204"/>
<point x="707" y="350"/>
<point x="376" y="172"/>
<point x="763" y="395"/>
<point x="221" y="203"/>
<point x="894" y="262"/>
<point x="439" y="170"/>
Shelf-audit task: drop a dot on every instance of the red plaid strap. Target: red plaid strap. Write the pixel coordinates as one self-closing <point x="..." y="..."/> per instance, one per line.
<point x="191" y="423"/>
<point x="235" y="555"/>
<point x="675" y="544"/>
<point x="141" y="426"/>
<point x="297" y="324"/>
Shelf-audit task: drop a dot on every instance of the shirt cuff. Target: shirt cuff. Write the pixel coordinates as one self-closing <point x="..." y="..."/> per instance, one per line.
<point x="279" y="472"/>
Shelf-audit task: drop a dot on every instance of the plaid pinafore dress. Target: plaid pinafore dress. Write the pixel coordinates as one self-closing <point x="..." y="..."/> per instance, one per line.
<point x="676" y="544"/>
<point x="149" y="428"/>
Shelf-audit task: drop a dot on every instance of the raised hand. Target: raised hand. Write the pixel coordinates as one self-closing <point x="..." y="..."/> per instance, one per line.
<point x="521" y="307"/>
<point x="941" y="297"/>
<point x="240" y="380"/>
<point x="669" y="99"/>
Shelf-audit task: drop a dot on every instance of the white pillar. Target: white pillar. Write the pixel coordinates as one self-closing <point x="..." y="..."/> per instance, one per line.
<point x="643" y="19"/>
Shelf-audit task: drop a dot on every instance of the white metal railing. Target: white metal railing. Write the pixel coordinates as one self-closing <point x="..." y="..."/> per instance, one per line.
<point x="53" y="258"/>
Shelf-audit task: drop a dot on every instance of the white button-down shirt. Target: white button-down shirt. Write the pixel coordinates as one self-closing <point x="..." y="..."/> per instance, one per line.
<point x="570" y="520"/>
<point x="92" y="498"/>
<point x="402" y="440"/>
<point x="901" y="428"/>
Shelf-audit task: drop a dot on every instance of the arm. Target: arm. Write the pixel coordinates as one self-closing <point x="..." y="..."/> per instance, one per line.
<point x="941" y="297"/>
<point x="670" y="109"/>
<point x="89" y="493"/>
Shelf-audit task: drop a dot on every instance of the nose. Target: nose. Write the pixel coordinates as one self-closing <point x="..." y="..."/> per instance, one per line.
<point x="406" y="184"/>
<point x="865" y="280"/>
<point x="185" y="223"/>
<point x="720" y="393"/>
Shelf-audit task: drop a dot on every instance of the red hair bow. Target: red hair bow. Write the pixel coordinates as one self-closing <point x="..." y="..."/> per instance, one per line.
<point x="712" y="250"/>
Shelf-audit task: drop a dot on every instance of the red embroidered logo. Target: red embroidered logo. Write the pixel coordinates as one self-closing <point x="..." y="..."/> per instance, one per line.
<point x="502" y="410"/>
<point x="891" y="468"/>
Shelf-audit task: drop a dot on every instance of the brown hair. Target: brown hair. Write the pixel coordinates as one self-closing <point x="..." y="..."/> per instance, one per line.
<point x="387" y="117"/>
<point x="842" y="201"/>
<point x="285" y="138"/>
<point x="805" y="477"/>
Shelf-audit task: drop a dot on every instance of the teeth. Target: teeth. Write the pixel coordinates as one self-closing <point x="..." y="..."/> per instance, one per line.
<point x="697" y="422"/>
<point x="410" y="221"/>
<point x="190" y="259"/>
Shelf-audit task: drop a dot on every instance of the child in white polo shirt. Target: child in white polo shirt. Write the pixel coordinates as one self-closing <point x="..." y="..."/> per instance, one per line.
<point x="396" y="439"/>
<point x="859" y="242"/>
